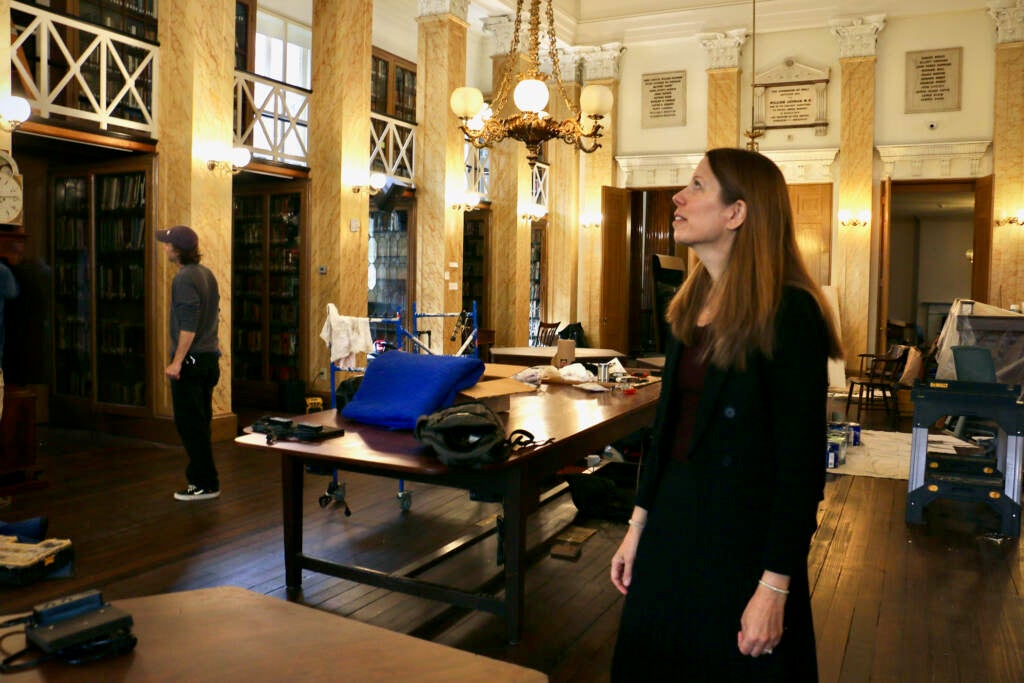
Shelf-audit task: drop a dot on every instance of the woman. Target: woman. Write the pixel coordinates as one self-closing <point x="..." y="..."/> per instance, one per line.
<point x="714" y="561"/>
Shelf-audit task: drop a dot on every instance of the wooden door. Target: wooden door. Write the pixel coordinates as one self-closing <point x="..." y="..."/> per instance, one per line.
<point x="982" y="263"/>
<point x="812" y="222"/>
<point x="613" y="316"/>
<point x="885" y="232"/>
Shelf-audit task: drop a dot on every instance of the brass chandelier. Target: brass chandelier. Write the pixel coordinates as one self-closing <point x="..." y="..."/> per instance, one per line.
<point x="532" y="125"/>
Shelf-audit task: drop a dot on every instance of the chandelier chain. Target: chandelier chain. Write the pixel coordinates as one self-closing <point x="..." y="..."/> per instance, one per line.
<point x="555" y="69"/>
<point x="506" y="75"/>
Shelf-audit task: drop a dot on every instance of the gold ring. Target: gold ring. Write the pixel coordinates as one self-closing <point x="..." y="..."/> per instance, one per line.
<point x="768" y="651"/>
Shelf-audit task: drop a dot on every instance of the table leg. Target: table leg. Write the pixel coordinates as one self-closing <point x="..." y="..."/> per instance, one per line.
<point x="291" y="509"/>
<point x="515" y="550"/>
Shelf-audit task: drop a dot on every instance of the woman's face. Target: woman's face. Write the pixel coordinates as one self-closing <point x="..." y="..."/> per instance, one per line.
<point x="701" y="219"/>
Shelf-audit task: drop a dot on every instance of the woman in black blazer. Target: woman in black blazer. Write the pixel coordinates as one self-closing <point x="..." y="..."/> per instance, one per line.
<point x="714" y="561"/>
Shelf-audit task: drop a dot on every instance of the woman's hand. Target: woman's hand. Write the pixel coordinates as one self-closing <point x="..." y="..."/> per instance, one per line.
<point x="761" y="623"/>
<point x="622" y="560"/>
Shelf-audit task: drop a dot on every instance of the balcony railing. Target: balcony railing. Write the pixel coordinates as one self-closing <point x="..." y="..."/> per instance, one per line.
<point x="392" y="147"/>
<point x="271" y="118"/>
<point x="540" y="184"/>
<point x="71" y="68"/>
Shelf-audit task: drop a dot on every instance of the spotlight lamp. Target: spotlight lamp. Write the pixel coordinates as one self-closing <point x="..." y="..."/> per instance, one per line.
<point x="374" y="184"/>
<point x="14" y="111"/>
<point x="849" y="221"/>
<point x="1012" y="220"/>
<point x="533" y="212"/>
<point x="468" y="201"/>
<point x="591" y="220"/>
<point x="240" y="158"/>
<point x="485" y="125"/>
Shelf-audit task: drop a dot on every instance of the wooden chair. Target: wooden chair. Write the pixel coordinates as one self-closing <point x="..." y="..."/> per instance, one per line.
<point x="877" y="380"/>
<point x="547" y="333"/>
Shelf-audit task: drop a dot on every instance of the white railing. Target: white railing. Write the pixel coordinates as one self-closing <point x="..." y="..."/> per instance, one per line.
<point x="478" y="171"/>
<point x="540" y="184"/>
<point x="271" y="118"/>
<point x="392" y="147"/>
<point x="71" y="68"/>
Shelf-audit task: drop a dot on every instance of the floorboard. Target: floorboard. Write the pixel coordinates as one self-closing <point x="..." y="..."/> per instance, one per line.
<point x="937" y="602"/>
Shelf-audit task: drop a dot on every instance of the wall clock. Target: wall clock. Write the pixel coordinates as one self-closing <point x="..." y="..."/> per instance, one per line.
<point x="11" y="196"/>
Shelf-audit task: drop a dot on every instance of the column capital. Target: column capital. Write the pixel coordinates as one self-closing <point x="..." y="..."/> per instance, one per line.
<point x="857" y="36"/>
<point x="1009" y="18"/>
<point x="599" y="62"/>
<point x="723" y="49"/>
<point x="502" y="27"/>
<point x="457" y="8"/>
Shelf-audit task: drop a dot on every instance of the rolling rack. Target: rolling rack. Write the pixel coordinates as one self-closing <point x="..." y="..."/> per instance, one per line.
<point x="993" y="479"/>
<point x="335" y="492"/>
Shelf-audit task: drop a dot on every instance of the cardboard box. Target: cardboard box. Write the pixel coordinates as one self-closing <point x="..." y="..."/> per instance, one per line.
<point x="494" y="393"/>
<point x="501" y="370"/>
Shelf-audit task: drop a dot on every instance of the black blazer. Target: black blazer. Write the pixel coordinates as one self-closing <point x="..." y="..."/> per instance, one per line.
<point x="757" y="456"/>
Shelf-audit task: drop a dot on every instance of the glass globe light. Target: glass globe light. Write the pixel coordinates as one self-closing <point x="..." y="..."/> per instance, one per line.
<point x="531" y="95"/>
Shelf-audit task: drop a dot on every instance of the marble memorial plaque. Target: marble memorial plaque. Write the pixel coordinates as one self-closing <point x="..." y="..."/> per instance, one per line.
<point x="933" y="80"/>
<point x="663" y="99"/>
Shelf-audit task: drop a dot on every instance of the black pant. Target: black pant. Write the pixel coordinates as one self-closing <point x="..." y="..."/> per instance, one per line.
<point x="192" y="398"/>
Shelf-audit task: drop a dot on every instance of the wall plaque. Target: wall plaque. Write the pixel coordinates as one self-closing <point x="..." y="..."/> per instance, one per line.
<point x="933" y="80"/>
<point x="663" y="99"/>
<point x="791" y="95"/>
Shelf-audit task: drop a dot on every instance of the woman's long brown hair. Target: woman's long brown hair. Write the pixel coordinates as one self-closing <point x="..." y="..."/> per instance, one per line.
<point x="764" y="258"/>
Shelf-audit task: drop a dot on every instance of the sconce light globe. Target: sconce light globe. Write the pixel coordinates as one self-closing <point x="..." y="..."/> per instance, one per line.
<point x="531" y="95"/>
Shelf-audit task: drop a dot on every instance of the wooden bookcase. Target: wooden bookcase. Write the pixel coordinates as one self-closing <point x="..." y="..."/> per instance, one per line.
<point x="393" y="86"/>
<point x="537" y="268"/>
<point x="101" y="216"/>
<point x="475" y="262"/>
<point x="268" y="275"/>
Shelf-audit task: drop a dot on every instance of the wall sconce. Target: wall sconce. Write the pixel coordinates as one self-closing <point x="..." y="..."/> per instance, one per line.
<point x="1012" y="220"/>
<point x="374" y="184"/>
<point x="468" y="201"/>
<point x="533" y="212"/>
<point x="591" y="219"/>
<point x="847" y="219"/>
<point x="240" y="157"/>
<point x="14" y="111"/>
<point x="969" y="255"/>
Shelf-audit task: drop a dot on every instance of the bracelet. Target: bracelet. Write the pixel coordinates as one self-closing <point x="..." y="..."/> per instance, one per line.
<point x="636" y="524"/>
<point x="781" y="591"/>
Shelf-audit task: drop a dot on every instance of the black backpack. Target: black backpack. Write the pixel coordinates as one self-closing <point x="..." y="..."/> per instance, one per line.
<point x="468" y="435"/>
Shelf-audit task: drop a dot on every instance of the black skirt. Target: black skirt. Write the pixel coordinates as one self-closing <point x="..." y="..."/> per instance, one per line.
<point x="682" y="612"/>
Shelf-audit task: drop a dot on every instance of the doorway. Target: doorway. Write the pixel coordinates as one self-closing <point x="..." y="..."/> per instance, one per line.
<point x="936" y="243"/>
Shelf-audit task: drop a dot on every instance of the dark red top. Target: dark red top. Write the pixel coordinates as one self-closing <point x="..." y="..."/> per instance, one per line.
<point x="689" y="381"/>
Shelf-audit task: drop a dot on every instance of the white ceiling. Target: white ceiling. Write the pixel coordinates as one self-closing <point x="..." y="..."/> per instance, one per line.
<point x="595" y="22"/>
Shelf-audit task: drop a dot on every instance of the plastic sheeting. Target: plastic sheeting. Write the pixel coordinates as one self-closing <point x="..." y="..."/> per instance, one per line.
<point x="971" y="323"/>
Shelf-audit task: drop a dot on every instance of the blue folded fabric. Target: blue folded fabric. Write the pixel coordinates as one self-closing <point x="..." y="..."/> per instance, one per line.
<point x="398" y="387"/>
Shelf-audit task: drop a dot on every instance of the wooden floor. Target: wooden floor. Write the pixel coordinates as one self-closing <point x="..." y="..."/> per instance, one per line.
<point x="940" y="602"/>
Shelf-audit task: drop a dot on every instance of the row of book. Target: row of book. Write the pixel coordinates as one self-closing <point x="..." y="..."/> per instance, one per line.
<point x="122" y="338"/>
<point x="121" y="282"/>
<point x="118" y="233"/>
<point x="129" y="394"/>
<point x="123" y="191"/>
<point x="71" y="195"/>
<point x="248" y="311"/>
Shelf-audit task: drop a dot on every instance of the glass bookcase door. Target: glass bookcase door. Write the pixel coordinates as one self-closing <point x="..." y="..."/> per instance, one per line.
<point x="120" y="288"/>
<point x="249" y="288"/>
<point x="283" y="292"/>
<point x="72" y="290"/>
<point x="388" y="276"/>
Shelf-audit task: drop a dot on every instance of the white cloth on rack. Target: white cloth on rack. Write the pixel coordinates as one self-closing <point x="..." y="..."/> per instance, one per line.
<point x="345" y="336"/>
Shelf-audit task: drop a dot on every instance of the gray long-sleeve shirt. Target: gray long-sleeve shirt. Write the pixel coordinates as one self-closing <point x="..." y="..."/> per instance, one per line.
<point x="195" y="303"/>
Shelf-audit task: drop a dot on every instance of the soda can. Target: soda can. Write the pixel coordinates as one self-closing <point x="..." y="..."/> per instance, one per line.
<point x="855" y="431"/>
<point x="832" y="455"/>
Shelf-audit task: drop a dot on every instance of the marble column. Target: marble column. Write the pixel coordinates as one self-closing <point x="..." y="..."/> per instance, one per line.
<point x="852" y="252"/>
<point x="600" y="67"/>
<point x="723" y="64"/>
<point x="339" y="161"/>
<point x="440" y="171"/>
<point x="194" y="100"/>
<point x="508" y="287"/>
<point x="561" y="236"/>
<point x="1006" y="284"/>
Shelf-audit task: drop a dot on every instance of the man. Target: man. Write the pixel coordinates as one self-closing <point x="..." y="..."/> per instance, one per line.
<point x="195" y="358"/>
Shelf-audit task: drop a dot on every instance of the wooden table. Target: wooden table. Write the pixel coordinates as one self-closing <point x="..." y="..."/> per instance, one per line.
<point x="230" y="634"/>
<point x="579" y="422"/>
<point x="542" y="355"/>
